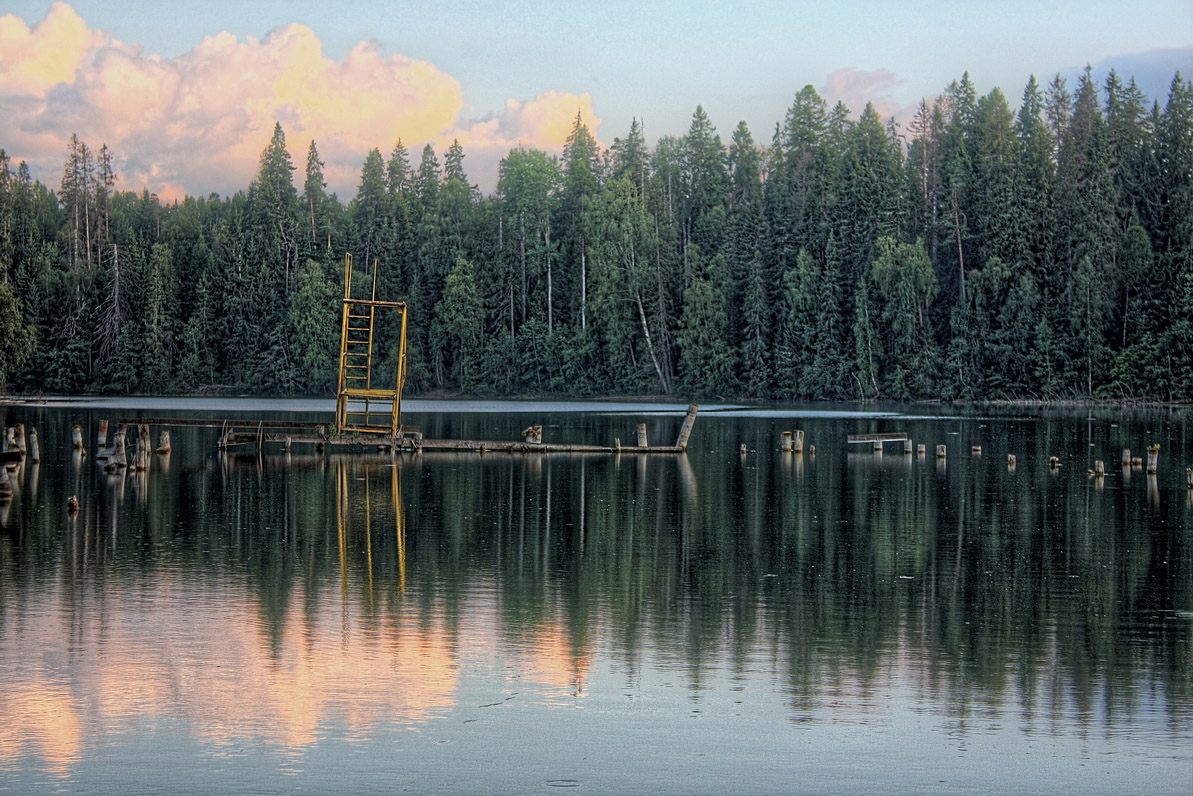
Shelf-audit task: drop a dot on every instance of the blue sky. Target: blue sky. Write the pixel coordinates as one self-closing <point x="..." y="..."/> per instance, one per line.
<point x="657" y="61"/>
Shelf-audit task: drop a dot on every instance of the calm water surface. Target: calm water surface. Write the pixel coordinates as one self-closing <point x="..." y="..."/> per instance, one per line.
<point x="850" y="622"/>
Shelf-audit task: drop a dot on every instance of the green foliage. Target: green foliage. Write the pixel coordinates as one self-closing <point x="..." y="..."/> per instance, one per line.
<point x="974" y="253"/>
<point x="16" y="337"/>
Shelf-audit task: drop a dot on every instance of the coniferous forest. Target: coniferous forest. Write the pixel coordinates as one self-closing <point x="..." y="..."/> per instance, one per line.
<point x="973" y="251"/>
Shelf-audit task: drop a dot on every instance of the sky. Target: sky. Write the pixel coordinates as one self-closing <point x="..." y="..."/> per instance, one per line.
<point x="185" y="94"/>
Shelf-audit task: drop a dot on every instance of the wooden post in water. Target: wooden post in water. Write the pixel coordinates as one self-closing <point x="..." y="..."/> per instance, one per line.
<point x="1153" y="456"/>
<point x="743" y="450"/>
<point x="799" y="441"/>
<point x="940" y="451"/>
<point x="877" y="446"/>
<point x="642" y="435"/>
<point x="1189" y="476"/>
<point x="18" y="439"/>
<point x="1099" y="468"/>
<point x="34" y="447"/>
<point x="533" y="435"/>
<point x="1011" y="461"/>
<point x="101" y="440"/>
<point x="1136" y="462"/>
<point x="1053" y="463"/>
<point x="921" y="450"/>
<point x="163" y="443"/>
<point x="10" y="438"/>
<point x="5" y="485"/>
<point x="812" y="451"/>
<point x="117" y="458"/>
<point x="76" y="439"/>
<point x="785" y="443"/>
<point x="907" y="446"/>
<point x="977" y="450"/>
<point x="1126" y="457"/>
<point x="685" y="430"/>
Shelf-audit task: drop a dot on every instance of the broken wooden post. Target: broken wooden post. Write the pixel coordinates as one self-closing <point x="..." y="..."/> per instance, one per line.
<point x="163" y="443"/>
<point x="287" y="444"/>
<point x="34" y="447"/>
<point x="1136" y="462"/>
<point x="117" y="457"/>
<point x="10" y="439"/>
<point x="1126" y="457"/>
<point x="921" y="450"/>
<point x="76" y="439"/>
<point x="1099" y="468"/>
<point x="18" y="440"/>
<point x="877" y="446"/>
<point x="907" y="446"/>
<point x="976" y="450"/>
<point x="1153" y="455"/>
<point x="743" y="449"/>
<point x="533" y="435"/>
<point x="812" y="451"/>
<point x="641" y="435"/>
<point x="785" y="444"/>
<point x="799" y="441"/>
<point x="616" y="443"/>
<point x="101" y="440"/>
<point x="940" y="451"/>
<point x="1189" y="476"/>
<point x="685" y="430"/>
<point x="1053" y="463"/>
<point x="1010" y="461"/>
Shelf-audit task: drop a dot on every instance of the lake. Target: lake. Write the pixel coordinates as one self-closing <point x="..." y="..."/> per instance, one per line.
<point x="712" y="622"/>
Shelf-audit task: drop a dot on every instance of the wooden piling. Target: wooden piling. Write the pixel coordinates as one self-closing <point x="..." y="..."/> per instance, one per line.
<point x="743" y="449"/>
<point x="921" y="450"/>
<point x="163" y="443"/>
<point x="907" y="447"/>
<point x="34" y="447"/>
<point x="533" y="435"/>
<point x="1099" y="468"/>
<point x="976" y="450"/>
<point x="5" y="485"/>
<point x="1011" y="461"/>
<point x="685" y="430"/>
<point x="799" y="441"/>
<point x="1189" y="476"/>
<point x="1153" y="456"/>
<point x="1053" y="463"/>
<point x="101" y="439"/>
<point x="641" y="435"/>
<point x="812" y="451"/>
<point x="10" y="439"/>
<point x="1136" y="462"/>
<point x="785" y="443"/>
<point x="940" y="451"/>
<point x="18" y="442"/>
<point x="117" y="459"/>
<point x="76" y="439"/>
<point x="877" y="447"/>
<point x="1126" y="457"/>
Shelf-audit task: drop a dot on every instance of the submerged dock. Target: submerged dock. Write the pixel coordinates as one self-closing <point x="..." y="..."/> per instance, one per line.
<point x="409" y="438"/>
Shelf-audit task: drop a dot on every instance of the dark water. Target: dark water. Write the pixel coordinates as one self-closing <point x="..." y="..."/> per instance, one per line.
<point x="708" y="623"/>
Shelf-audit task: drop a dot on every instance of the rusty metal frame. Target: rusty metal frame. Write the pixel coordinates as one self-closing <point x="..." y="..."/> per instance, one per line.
<point x="358" y="403"/>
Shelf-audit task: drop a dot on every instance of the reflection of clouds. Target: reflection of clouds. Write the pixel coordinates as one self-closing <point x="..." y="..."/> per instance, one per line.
<point x="40" y="717"/>
<point x="174" y="652"/>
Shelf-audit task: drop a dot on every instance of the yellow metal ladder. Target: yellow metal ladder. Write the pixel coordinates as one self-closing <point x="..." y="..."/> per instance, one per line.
<point x="361" y="407"/>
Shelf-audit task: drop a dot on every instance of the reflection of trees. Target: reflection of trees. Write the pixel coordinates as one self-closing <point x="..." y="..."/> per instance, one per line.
<point x="981" y="588"/>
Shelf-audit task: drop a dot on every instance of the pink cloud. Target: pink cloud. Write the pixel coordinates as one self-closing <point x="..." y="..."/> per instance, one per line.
<point x="855" y="87"/>
<point x="198" y="122"/>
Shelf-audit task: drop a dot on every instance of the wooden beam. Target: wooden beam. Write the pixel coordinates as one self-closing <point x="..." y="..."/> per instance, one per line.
<point x="890" y="436"/>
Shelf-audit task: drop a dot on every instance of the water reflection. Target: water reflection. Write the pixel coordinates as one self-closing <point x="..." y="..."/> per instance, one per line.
<point x="292" y="597"/>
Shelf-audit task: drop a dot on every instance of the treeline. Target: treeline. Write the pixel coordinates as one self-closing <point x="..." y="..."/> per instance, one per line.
<point x="977" y="253"/>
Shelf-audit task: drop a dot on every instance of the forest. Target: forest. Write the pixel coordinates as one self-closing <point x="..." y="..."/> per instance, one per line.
<point x="976" y="252"/>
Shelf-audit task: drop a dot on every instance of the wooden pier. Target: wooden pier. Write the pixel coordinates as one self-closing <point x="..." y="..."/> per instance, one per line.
<point x="258" y="432"/>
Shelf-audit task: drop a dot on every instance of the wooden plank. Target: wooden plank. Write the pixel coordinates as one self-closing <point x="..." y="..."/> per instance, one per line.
<point x="886" y="437"/>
